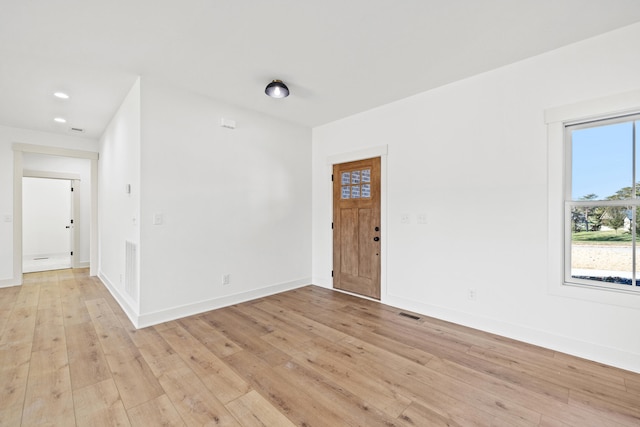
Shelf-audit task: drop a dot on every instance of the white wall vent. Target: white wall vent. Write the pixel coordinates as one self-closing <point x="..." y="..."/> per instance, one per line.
<point x="131" y="270"/>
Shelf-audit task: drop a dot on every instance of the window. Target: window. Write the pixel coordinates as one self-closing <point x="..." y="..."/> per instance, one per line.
<point x="601" y="197"/>
<point x="356" y="184"/>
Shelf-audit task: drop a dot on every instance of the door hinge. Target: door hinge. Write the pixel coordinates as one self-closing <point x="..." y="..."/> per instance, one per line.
<point x="71" y="221"/>
<point x="331" y="177"/>
<point x="332" y="226"/>
<point x="71" y="189"/>
<point x="331" y="273"/>
<point x="71" y="253"/>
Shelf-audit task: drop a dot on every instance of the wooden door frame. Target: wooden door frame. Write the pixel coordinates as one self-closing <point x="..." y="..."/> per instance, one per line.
<point x="368" y="153"/>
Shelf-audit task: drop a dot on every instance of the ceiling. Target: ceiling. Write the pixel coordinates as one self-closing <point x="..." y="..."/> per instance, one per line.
<point x="338" y="57"/>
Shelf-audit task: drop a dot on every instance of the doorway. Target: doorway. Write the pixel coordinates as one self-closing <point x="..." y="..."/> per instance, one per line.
<point x="47" y="220"/>
<point x="23" y="153"/>
<point x="357" y="227"/>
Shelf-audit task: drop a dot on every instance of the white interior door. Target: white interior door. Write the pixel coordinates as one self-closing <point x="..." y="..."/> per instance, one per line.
<point x="46" y="224"/>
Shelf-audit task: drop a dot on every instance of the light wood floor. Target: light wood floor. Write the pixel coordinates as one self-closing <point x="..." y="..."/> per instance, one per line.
<point x="309" y="357"/>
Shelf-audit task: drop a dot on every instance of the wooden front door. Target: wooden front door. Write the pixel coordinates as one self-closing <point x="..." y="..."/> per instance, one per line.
<point x="356" y="227"/>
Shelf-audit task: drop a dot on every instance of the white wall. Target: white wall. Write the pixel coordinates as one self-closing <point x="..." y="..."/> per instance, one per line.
<point x="472" y="156"/>
<point x="9" y="136"/>
<point x="119" y="210"/>
<point x="82" y="167"/>
<point x="233" y="202"/>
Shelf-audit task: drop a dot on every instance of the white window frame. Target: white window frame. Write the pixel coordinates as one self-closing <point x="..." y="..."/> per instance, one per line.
<point x="569" y="203"/>
<point x="556" y="119"/>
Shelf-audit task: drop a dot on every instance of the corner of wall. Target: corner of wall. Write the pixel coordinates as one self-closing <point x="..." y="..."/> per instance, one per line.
<point x="124" y="302"/>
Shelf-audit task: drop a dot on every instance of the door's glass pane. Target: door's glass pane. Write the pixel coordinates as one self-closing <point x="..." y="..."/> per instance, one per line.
<point x="346" y="191"/>
<point x="601" y="244"/>
<point x="355" y="177"/>
<point x="366" y="175"/>
<point x="355" y="192"/>
<point x="602" y="162"/>
<point x="346" y="178"/>
<point x="366" y="191"/>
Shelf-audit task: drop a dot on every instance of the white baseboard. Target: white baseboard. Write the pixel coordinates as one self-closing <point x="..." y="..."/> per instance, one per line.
<point x="7" y="283"/>
<point x="150" y="319"/>
<point x="598" y="353"/>
<point x="124" y="302"/>
<point x="82" y="264"/>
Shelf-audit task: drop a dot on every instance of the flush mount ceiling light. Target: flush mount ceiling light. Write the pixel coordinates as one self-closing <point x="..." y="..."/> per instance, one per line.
<point x="61" y="95"/>
<point x="277" y="89"/>
<point x="60" y="120"/>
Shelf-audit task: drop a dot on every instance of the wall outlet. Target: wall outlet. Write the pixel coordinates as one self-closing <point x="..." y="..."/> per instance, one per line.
<point x="472" y="294"/>
<point x="405" y="219"/>
<point x="422" y="218"/>
<point x="226" y="279"/>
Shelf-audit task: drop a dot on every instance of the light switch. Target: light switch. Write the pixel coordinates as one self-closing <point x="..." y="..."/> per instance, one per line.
<point x="158" y="219"/>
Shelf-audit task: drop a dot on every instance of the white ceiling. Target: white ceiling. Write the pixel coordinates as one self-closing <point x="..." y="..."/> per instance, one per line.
<point x="338" y="57"/>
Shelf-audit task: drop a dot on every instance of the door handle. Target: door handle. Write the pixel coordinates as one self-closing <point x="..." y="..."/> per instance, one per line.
<point x="68" y="226"/>
<point x="375" y="239"/>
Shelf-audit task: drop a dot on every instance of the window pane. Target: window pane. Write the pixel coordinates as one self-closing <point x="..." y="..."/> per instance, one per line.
<point x="346" y="178"/>
<point x="346" y="191"/>
<point x="366" y="191"/>
<point x="604" y="253"/>
<point x="602" y="162"/>
<point x="637" y="282"/>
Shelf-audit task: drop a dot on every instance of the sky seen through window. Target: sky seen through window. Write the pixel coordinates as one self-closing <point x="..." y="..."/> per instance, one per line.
<point x="602" y="160"/>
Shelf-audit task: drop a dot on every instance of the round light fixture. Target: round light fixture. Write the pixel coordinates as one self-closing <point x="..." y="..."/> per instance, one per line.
<point x="60" y="120"/>
<point x="277" y="89"/>
<point x="61" y="95"/>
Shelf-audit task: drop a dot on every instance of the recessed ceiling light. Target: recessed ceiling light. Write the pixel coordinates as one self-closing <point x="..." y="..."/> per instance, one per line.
<point x="61" y="95"/>
<point x="60" y="120"/>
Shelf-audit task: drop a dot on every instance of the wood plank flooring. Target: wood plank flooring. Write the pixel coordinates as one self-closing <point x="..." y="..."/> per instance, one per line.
<point x="309" y="357"/>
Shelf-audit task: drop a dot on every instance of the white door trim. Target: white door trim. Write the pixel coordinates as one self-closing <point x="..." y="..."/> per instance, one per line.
<point x="27" y="173"/>
<point x="74" y="182"/>
<point x="18" y="172"/>
<point x="75" y="205"/>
